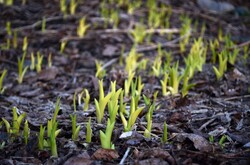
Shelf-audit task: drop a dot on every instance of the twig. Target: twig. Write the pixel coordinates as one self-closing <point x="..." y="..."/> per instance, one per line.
<point x="125" y="156"/>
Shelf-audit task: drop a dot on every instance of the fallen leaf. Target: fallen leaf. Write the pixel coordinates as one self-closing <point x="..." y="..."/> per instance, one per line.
<point x="81" y="159"/>
<point x="199" y="142"/>
<point x="105" y="154"/>
<point x="48" y="74"/>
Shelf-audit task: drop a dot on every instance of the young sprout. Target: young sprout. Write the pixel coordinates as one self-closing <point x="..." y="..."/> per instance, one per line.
<point x="132" y="6"/>
<point x="82" y="27"/>
<point x="9" y="2"/>
<point x="211" y="139"/>
<point x="127" y="83"/>
<point x="232" y="56"/>
<point x="50" y="60"/>
<point x="72" y="7"/>
<point x="86" y="99"/>
<point x="214" y="45"/>
<point x="114" y="16"/>
<point x="245" y="51"/>
<point x="222" y="141"/>
<point x="133" y="114"/>
<point x="89" y="132"/>
<point x="222" y="66"/>
<point x="186" y="86"/>
<point x="17" y="120"/>
<point x="100" y="72"/>
<point x="139" y="33"/>
<point x="75" y="130"/>
<point x="164" y="85"/>
<point x="131" y="61"/>
<point x="63" y="7"/>
<point x="32" y="61"/>
<point x="175" y="79"/>
<point x="39" y="62"/>
<point x="25" y="44"/>
<point x="220" y="34"/>
<point x="43" y="24"/>
<point x="2" y="88"/>
<point x="26" y="132"/>
<point x="101" y="104"/>
<point x="52" y="138"/>
<point x="165" y="133"/>
<point x="62" y="46"/>
<point x="185" y="31"/>
<point x="106" y="137"/>
<point x="41" y="137"/>
<point x="147" y="132"/>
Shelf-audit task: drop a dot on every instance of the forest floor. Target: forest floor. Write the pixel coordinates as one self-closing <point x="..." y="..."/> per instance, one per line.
<point x="209" y="125"/>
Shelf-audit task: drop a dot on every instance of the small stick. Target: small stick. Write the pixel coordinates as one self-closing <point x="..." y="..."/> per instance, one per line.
<point x="125" y="156"/>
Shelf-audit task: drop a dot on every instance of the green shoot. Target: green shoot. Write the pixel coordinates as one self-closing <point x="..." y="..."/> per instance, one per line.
<point x="147" y="132"/>
<point x="62" y="46"/>
<point x="50" y="60"/>
<point x="106" y="137"/>
<point x="185" y="31"/>
<point x="17" y="120"/>
<point x="213" y="46"/>
<point x="222" y="67"/>
<point x="114" y="16"/>
<point x="25" y="44"/>
<point x="164" y="85"/>
<point x="26" y="132"/>
<point x="86" y="99"/>
<point x="101" y="104"/>
<point x="72" y="7"/>
<point x="132" y="116"/>
<point x="211" y="139"/>
<point x="127" y="83"/>
<point x="131" y="61"/>
<point x="21" y="71"/>
<point x="75" y="130"/>
<point x="232" y="56"/>
<point x="41" y="137"/>
<point x="222" y="141"/>
<point x="82" y="27"/>
<point x="186" y="86"/>
<point x="165" y="133"/>
<point x="100" y="72"/>
<point x="139" y="33"/>
<point x="52" y="138"/>
<point x="14" y="41"/>
<point x="43" y="24"/>
<point x="63" y="7"/>
<point x="39" y="62"/>
<point x="2" y="88"/>
<point x="32" y="61"/>
<point x="174" y="79"/>
<point x="89" y="132"/>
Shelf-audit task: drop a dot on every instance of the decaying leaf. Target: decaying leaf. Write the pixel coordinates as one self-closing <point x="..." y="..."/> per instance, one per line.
<point x="105" y="154"/>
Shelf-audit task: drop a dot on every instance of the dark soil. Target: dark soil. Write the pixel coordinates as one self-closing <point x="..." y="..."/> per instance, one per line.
<point x="212" y="107"/>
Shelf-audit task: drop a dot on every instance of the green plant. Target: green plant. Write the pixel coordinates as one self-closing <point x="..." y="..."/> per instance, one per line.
<point x="132" y="6"/>
<point x="139" y="33"/>
<point x="74" y="101"/>
<point x="26" y="132"/>
<point x="25" y="44"/>
<point x="21" y="70"/>
<point x="16" y="122"/>
<point x="86" y="99"/>
<point x="89" y="132"/>
<point x="113" y="103"/>
<point x="211" y="139"/>
<point x="50" y="60"/>
<point x="2" y="88"/>
<point x="100" y="72"/>
<point x="43" y="24"/>
<point x="39" y="62"/>
<point x="164" y="85"/>
<point x="133" y="114"/>
<point x="63" y="45"/>
<point x="101" y="104"/>
<point x="52" y="138"/>
<point x="114" y="17"/>
<point x="128" y="82"/>
<point x="41" y="137"/>
<point x="214" y="45"/>
<point x="106" y="137"/>
<point x="131" y="61"/>
<point x="72" y="7"/>
<point x="63" y="7"/>
<point x="232" y="56"/>
<point x="222" y="141"/>
<point x="75" y="130"/>
<point x="185" y="31"/>
<point x="245" y="52"/>
<point x="82" y="27"/>
<point x="32" y="61"/>
<point x="186" y="86"/>
<point x="164" y="138"/>
<point x="222" y="66"/>
<point x="147" y="132"/>
<point x="175" y="79"/>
